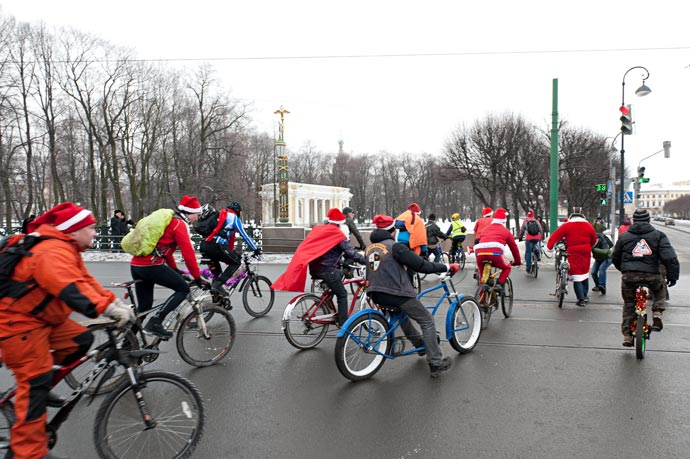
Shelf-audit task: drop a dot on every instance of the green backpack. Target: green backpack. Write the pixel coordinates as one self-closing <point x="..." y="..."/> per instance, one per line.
<point x="143" y="238"/>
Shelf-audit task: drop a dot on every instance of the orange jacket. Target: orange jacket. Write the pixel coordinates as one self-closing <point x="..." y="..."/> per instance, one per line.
<point x="415" y="226"/>
<point x="63" y="285"/>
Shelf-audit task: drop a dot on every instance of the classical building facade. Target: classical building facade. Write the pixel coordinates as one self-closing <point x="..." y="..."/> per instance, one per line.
<point x="307" y="203"/>
<point x="656" y="196"/>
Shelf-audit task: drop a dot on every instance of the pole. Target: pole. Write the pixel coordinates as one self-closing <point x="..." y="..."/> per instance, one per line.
<point x="553" y="172"/>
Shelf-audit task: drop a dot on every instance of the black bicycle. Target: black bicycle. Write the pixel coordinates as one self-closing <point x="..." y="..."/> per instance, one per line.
<point x="149" y="414"/>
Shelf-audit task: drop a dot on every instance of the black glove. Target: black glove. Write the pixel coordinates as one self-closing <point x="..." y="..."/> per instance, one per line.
<point x="670" y="283"/>
<point x="202" y="283"/>
<point x="257" y="252"/>
<point x="186" y="276"/>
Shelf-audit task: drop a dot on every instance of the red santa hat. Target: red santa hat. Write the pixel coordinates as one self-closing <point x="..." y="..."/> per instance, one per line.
<point x="66" y="217"/>
<point x="499" y="216"/>
<point x="383" y="222"/>
<point x="190" y="205"/>
<point x="530" y="213"/>
<point x="335" y="216"/>
<point x="414" y="207"/>
<point x="487" y="212"/>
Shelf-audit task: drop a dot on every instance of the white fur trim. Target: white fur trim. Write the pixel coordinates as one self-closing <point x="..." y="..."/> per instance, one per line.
<point x="338" y="222"/>
<point x="191" y="210"/>
<point x="577" y="219"/>
<point x="81" y="215"/>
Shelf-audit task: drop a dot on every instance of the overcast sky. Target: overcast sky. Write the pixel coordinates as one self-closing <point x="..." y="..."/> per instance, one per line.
<point x="415" y="71"/>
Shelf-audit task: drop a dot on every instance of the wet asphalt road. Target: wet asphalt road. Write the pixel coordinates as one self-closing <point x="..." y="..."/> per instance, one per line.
<point x="545" y="383"/>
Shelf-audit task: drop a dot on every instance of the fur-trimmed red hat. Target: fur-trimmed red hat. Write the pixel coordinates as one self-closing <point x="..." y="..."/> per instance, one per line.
<point x="499" y="215"/>
<point x="487" y="212"/>
<point x="383" y="222"/>
<point x="530" y="213"/>
<point x="414" y="207"/>
<point x="66" y="217"/>
<point x="190" y="204"/>
<point x="335" y="216"/>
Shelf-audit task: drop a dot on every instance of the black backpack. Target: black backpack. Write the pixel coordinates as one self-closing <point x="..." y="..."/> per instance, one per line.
<point x="12" y="249"/>
<point x="207" y="223"/>
<point x="533" y="227"/>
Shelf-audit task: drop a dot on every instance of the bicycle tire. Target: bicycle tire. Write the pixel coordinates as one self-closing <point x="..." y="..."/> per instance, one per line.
<point x="257" y="296"/>
<point x="546" y="252"/>
<point x="563" y="283"/>
<point x="174" y="403"/>
<point x="535" y="268"/>
<point x="76" y="376"/>
<point x="6" y="422"/>
<point x="296" y="327"/>
<point x="196" y="349"/>
<point x="640" y="338"/>
<point x="507" y="298"/>
<point x="352" y="359"/>
<point x="467" y="325"/>
<point x="463" y="259"/>
<point x="483" y="297"/>
<point x="417" y="282"/>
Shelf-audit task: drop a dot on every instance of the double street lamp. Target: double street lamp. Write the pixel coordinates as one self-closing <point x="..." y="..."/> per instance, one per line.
<point x="641" y="91"/>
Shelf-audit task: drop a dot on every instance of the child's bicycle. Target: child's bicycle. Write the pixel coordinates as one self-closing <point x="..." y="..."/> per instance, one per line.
<point x="489" y="295"/>
<point x="257" y="296"/>
<point x="204" y="335"/>
<point x="308" y="316"/>
<point x="640" y="328"/>
<point x="368" y="338"/>
<point x="149" y="414"/>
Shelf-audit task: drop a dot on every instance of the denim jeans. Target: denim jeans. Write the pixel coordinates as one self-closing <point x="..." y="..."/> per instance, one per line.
<point x="581" y="289"/>
<point x="599" y="271"/>
<point x="530" y="245"/>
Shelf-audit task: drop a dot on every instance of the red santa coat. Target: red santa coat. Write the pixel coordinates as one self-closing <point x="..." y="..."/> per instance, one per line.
<point x="580" y="237"/>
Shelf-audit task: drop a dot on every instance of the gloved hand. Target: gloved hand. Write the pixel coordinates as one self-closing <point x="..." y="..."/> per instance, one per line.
<point x="202" y="283"/>
<point x="257" y="252"/>
<point x="453" y="268"/>
<point x="670" y="283"/>
<point x="119" y="312"/>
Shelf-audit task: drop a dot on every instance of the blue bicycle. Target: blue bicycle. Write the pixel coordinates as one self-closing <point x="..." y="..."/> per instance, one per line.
<point x="368" y="338"/>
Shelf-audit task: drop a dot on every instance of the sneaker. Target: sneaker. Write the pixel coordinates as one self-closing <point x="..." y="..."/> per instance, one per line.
<point x="438" y="370"/>
<point x="596" y="288"/>
<point x="155" y="327"/>
<point x="657" y="324"/>
<point x="627" y="340"/>
<point x="602" y="290"/>
<point x="581" y="302"/>
<point x="54" y="400"/>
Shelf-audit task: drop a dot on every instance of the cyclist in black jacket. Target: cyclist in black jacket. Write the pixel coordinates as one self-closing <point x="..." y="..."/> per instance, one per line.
<point x="638" y="254"/>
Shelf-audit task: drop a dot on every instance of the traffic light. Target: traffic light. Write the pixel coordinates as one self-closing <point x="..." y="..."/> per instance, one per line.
<point x="626" y="119"/>
<point x="640" y="175"/>
<point x="603" y="194"/>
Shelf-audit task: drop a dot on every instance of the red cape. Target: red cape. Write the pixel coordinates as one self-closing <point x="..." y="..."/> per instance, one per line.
<point x="319" y="241"/>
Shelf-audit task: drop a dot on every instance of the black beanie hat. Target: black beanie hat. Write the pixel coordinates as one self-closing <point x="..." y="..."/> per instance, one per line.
<point x="641" y="215"/>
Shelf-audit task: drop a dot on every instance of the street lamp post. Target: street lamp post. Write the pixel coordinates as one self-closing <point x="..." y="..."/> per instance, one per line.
<point x="641" y="91"/>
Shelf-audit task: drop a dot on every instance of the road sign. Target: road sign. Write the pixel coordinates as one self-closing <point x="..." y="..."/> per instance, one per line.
<point x="627" y="198"/>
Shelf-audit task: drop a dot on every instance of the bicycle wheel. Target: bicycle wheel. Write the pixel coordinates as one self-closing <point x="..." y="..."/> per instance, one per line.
<point x="7" y="419"/>
<point x="507" y="298"/>
<point x="640" y="338"/>
<point x="547" y="253"/>
<point x="175" y="406"/>
<point x="202" y="350"/>
<point x="299" y="330"/>
<point x="563" y="284"/>
<point x="483" y="297"/>
<point x="417" y="282"/>
<point x="129" y="342"/>
<point x="462" y="258"/>
<point x="353" y="357"/>
<point x="467" y="324"/>
<point x="535" y="268"/>
<point x="257" y="296"/>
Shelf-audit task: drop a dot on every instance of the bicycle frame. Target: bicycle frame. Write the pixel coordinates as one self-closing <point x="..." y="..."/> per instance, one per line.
<point x="113" y="353"/>
<point x="327" y="300"/>
<point x="396" y="319"/>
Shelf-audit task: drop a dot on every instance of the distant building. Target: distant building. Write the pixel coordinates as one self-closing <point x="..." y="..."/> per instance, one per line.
<point x="656" y="196"/>
<point x="308" y="203"/>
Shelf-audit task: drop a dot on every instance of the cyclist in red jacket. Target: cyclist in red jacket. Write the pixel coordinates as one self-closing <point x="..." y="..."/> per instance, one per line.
<point x="492" y="246"/>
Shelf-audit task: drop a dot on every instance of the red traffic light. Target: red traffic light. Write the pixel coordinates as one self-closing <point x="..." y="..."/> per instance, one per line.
<point x="624" y="110"/>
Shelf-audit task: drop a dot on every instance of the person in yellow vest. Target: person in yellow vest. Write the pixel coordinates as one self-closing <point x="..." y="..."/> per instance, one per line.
<point x="457" y="233"/>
